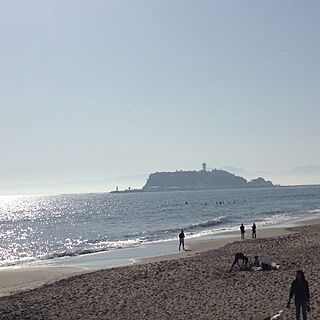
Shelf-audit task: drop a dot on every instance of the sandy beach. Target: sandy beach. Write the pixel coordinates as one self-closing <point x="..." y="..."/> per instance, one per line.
<point x="194" y="284"/>
<point x="14" y="280"/>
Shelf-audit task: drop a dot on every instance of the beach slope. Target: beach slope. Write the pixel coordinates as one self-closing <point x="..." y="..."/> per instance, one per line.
<point x="194" y="287"/>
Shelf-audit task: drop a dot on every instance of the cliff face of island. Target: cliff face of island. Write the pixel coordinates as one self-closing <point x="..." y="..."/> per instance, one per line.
<point x="200" y="180"/>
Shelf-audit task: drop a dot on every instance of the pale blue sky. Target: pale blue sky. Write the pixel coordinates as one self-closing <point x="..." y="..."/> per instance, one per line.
<point x="98" y="89"/>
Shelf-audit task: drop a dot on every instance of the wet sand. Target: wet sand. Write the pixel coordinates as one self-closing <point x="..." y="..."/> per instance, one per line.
<point x="14" y="280"/>
<point x="195" y="246"/>
<point x="22" y="278"/>
<point x="194" y="284"/>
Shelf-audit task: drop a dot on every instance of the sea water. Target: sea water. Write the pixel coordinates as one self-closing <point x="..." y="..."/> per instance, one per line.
<point x="46" y="228"/>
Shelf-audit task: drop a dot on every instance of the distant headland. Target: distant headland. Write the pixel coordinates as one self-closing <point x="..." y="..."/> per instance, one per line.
<point x="197" y="180"/>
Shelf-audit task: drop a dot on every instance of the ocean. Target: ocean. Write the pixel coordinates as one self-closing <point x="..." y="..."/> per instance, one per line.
<point x="46" y="228"/>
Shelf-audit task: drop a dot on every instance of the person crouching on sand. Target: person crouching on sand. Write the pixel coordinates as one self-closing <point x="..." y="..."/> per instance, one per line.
<point x="181" y="240"/>
<point x="237" y="257"/>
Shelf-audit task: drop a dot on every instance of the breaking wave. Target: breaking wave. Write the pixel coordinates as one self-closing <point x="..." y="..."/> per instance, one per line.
<point x="209" y="223"/>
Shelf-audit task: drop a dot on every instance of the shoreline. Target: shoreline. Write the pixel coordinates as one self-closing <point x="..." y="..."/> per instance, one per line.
<point x="17" y="279"/>
<point x="199" y="286"/>
<point x="196" y="246"/>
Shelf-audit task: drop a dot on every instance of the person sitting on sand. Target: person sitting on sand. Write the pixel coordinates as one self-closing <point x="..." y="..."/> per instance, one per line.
<point x="255" y="262"/>
<point x="181" y="240"/>
<point x="252" y="266"/>
<point x="237" y="257"/>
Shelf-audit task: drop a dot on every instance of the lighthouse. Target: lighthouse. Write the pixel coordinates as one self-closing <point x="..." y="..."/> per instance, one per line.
<point x="204" y="167"/>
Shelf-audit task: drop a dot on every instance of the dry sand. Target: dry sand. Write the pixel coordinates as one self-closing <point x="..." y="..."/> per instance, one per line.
<point x="198" y="286"/>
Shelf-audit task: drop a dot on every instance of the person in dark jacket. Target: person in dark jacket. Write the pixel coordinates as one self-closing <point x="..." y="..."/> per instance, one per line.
<point x="237" y="257"/>
<point x="181" y="240"/>
<point x="300" y="291"/>
<point x="242" y="230"/>
<point x="254" y="230"/>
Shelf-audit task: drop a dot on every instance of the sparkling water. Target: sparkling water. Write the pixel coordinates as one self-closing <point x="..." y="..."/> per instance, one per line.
<point x="38" y="228"/>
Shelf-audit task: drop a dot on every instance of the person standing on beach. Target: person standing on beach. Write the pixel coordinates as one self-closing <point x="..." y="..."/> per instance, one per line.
<point x="300" y="291"/>
<point x="254" y="228"/>
<point x="181" y="240"/>
<point x="242" y="231"/>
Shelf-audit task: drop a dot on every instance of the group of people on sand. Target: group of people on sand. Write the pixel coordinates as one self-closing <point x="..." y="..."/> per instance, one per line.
<point x="255" y="264"/>
<point x="243" y="230"/>
<point x="299" y="287"/>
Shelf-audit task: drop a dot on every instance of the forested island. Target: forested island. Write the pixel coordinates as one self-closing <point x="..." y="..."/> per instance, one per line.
<point x="198" y="180"/>
<point x="201" y="180"/>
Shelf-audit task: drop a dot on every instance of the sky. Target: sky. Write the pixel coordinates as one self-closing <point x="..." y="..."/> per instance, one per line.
<point x="92" y="90"/>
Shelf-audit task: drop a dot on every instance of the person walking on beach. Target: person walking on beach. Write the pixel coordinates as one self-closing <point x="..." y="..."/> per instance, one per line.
<point x="181" y="240"/>
<point x="242" y="231"/>
<point x="254" y="228"/>
<point x="300" y="291"/>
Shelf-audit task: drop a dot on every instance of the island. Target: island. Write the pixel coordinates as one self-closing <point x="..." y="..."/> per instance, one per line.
<point x="198" y="180"/>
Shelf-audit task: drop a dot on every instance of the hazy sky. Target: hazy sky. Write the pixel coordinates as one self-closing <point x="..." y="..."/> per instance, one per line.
<point x="97" y="89"/>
